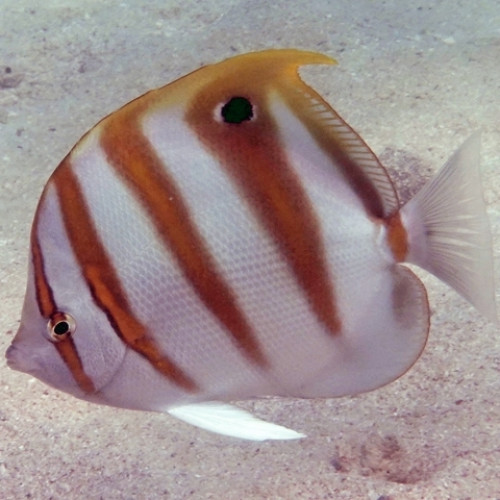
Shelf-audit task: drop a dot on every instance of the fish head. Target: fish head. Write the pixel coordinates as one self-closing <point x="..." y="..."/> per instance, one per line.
<point x="64" y="339"/>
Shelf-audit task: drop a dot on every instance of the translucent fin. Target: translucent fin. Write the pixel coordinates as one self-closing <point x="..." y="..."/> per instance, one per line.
<point x="347" y="150"/>
<point x="389" y="337"/>
<point x="448" y="229"/>
<point x="231" y="421"/>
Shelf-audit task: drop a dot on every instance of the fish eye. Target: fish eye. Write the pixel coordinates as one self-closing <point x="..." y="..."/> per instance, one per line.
<point x="236" y="110"/>
<point x="61" y="326"/>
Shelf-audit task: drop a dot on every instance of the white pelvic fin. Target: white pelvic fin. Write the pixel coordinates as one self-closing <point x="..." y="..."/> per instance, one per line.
<point x="448" y="229"/>
<point x="231" y="421"/>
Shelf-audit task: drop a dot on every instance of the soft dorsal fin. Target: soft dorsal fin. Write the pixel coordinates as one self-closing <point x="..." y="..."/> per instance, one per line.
<point x="357" y="163"/>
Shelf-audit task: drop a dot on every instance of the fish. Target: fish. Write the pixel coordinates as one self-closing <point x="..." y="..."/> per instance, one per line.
<point x="229" y="236"/>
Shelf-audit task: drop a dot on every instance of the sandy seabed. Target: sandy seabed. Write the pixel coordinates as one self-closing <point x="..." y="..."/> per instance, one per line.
<point x="415" y="79"/>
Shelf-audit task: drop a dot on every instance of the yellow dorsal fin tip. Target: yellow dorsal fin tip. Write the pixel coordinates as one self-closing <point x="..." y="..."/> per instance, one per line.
<point x="294" y="57"/>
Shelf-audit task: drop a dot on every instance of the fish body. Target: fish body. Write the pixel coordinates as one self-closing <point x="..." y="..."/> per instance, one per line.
<point x="229" y="236"/>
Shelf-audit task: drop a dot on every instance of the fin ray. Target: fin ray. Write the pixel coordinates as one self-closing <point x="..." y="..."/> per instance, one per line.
<point x="349" y="153"/>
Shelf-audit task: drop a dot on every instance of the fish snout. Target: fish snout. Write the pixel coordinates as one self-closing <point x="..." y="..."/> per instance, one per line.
<point x="17" y="360"/>
<point x="12" y="355"/>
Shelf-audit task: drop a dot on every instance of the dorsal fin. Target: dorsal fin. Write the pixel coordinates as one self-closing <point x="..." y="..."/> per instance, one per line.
<point x="259" y="74"/>
<point x="356" y="161"/>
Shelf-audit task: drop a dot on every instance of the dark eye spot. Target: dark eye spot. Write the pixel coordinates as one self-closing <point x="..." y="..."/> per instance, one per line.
<point x="237" y="110"/>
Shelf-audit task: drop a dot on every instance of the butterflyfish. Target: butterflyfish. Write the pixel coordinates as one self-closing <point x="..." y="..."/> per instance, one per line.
<point x="229" y="236"/>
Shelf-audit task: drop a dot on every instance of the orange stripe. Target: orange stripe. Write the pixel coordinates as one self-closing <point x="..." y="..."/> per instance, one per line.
<point x="102" y="279"/>
<point x="132" y="157"/>
<point x="397" y="237"/>
<point x="48" y="309"/>
<point x="253" y="156"/>
<point x="44" y="295"/>
<point x="69" y="353"/>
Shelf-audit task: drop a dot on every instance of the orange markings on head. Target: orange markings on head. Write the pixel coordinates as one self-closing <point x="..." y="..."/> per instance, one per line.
<point x="44" y="295"/>
<point x="48" y="309"/>
<point x="69" y="354"/>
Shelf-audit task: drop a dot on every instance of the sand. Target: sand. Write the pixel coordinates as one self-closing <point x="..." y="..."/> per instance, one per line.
<point x="415" y="79"/>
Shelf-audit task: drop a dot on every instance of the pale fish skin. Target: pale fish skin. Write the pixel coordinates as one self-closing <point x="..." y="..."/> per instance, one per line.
<point x="229" y="236"/>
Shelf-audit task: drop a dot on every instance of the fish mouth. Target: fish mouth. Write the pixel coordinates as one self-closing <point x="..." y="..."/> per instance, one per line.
<point x="12" y="356"/>
<point x="17" y="361"/>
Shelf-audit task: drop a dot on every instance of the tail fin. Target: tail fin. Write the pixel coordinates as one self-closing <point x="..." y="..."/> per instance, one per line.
<point x="448" y="230"/>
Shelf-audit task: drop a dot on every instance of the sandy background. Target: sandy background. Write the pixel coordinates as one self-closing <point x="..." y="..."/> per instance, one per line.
<point x="415" y="79"/>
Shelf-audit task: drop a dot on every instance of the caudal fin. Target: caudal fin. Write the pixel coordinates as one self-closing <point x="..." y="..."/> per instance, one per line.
<point x="448" y="229"/>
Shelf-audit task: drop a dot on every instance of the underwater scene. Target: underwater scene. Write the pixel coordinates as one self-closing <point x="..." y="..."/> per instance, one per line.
<point x="275" y="276"/>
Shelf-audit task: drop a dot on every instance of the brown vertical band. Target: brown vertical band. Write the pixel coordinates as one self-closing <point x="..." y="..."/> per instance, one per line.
<point x="133" y="158"/>
<point x="252" y="155"/>
<point x="48" y="309"/>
